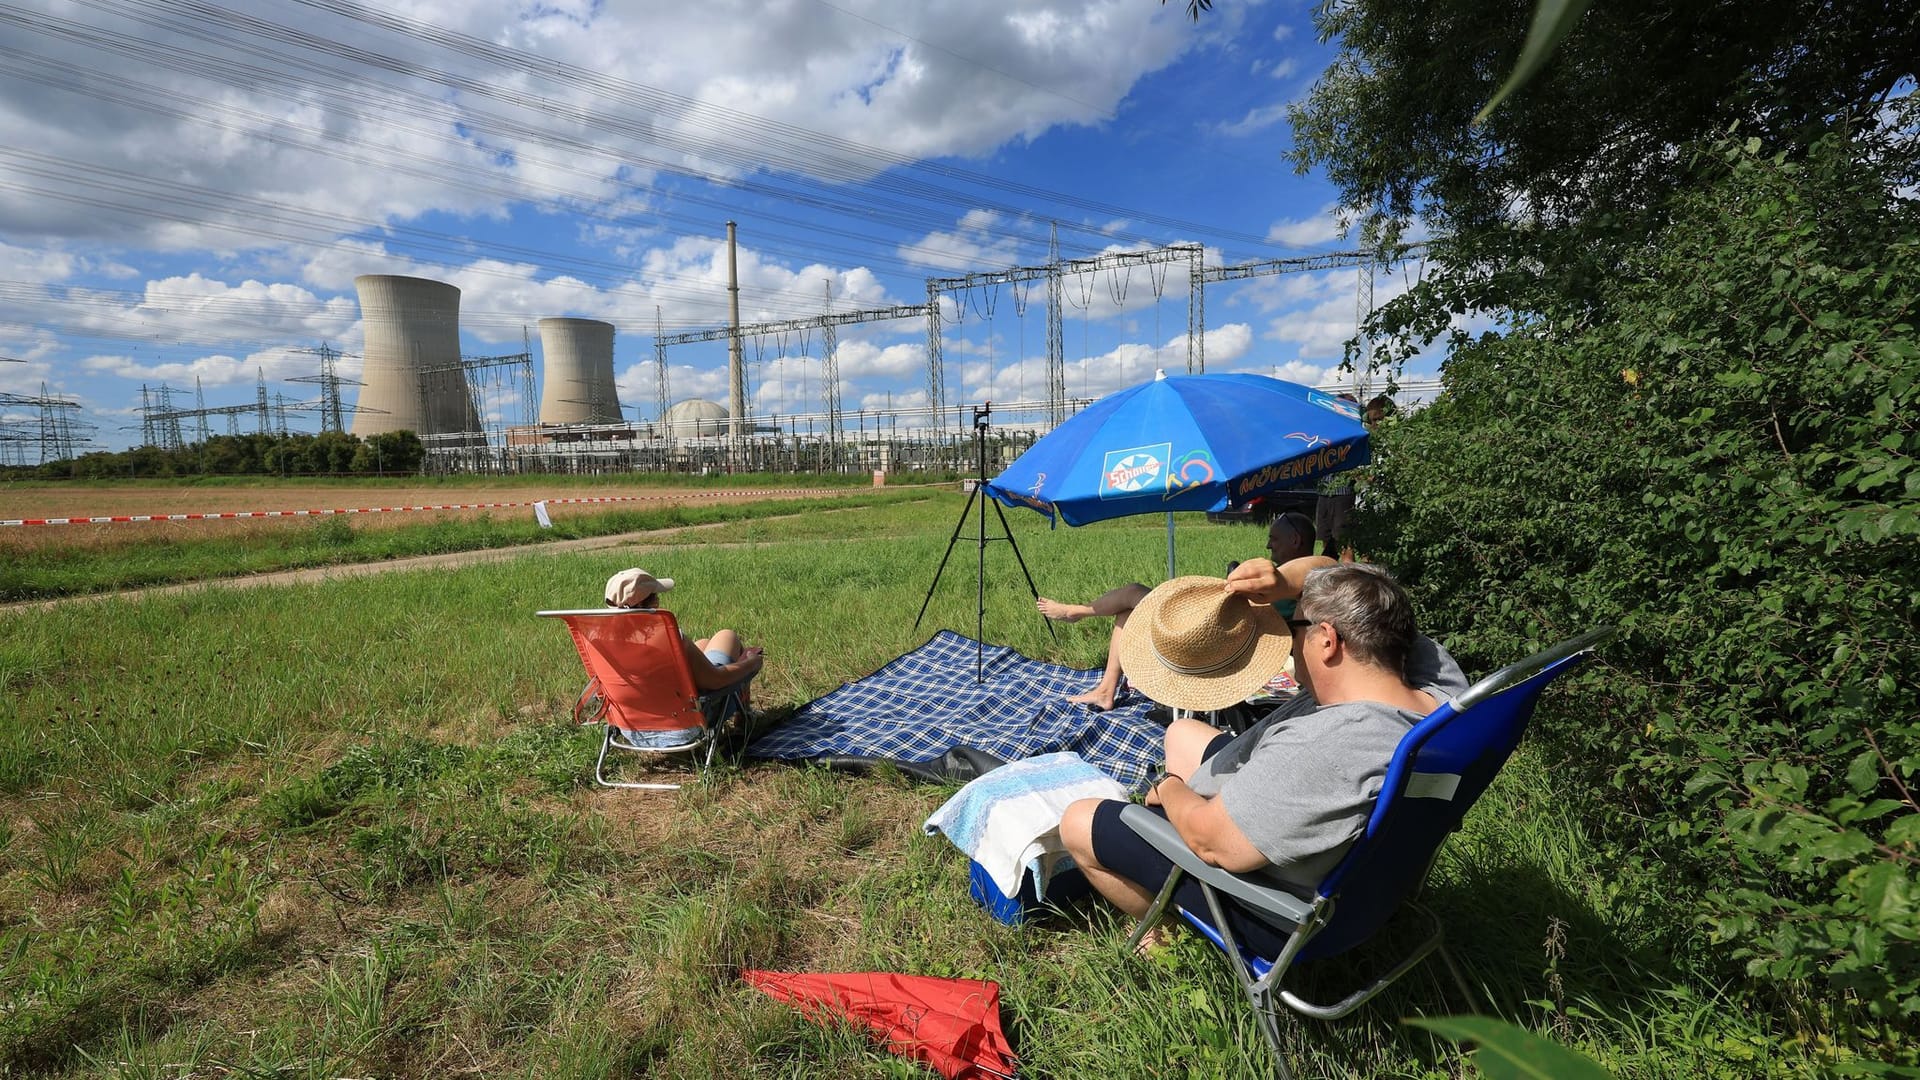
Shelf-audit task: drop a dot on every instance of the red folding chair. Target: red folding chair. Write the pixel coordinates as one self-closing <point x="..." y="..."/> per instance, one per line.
<point x="640" y="686"/>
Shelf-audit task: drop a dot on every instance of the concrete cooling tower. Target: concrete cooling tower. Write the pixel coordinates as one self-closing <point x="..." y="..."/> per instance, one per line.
<point x="412" y="327"/>
<point x="578" y="384"/>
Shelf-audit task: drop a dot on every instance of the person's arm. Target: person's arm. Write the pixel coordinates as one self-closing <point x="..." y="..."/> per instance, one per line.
<point x="1258" y="580"/>
<point x="1262" y="582"/>
<point x="708" y="675"/>
<point x="1203" y="823"/>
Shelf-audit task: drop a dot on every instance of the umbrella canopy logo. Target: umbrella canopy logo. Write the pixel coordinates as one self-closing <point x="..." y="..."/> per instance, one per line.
<point x="1344" y="406"/>
<point x="1131" y="471"/>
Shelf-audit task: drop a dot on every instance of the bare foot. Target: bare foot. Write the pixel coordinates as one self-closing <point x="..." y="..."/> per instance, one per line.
<point x="1156" y="940"/>
<point x="1099" y="698"/>
<point x="1059" y="612"/>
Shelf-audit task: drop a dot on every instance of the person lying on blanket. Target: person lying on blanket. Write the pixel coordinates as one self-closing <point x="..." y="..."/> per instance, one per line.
<point x="716" y="662"/>
<point x="1287" y="797"/>
<point x="1289" y="537"/>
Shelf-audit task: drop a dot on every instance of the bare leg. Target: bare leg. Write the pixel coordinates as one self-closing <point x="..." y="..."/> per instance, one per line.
<point x="725" y="641"/>
<point x="1109" y="604"/>
<point x="1117" y="602"/>
<point x="1187" y="740"/>
<point x="729" y="642"/>
<point x="1059" y="612"/>
<point x="1108" y="688"/>
<point x="1076" y="832"/>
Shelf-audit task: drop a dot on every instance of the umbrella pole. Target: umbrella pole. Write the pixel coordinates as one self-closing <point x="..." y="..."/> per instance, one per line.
<point x="1169" y="545"/>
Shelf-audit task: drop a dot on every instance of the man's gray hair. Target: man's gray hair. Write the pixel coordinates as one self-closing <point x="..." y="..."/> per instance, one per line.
<point x="1369" y="609"/>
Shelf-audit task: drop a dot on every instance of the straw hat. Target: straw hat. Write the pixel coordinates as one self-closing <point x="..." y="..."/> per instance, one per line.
<point x="1193" y="645"/>
<point x="632" y="586"/>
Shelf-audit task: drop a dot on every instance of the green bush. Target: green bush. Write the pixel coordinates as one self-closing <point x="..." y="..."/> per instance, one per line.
<point x="1722" y="463"/>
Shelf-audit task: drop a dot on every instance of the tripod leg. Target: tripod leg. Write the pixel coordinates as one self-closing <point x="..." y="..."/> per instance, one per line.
<point x="980" y="585"/>
<point x="1031" y="587"/>
<point x="957" y="526"/>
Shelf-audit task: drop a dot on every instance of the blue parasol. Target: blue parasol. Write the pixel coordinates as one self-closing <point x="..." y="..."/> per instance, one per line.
<point x="1184" y="442"/>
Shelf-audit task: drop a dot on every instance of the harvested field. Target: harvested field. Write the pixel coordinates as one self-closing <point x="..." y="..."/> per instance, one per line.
<point x="53" y="501"/>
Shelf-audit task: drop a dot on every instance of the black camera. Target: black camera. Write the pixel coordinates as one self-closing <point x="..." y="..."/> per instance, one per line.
<point x="980" y="412"/>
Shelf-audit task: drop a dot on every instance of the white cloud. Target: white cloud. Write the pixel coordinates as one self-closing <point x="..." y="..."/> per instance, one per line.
<point x="1315" y="229"/>
<point x="1256" y="120"/>
<point x="1284" y="69"/>
<point x="971" y="245"/>
<point x="462" y="130"/>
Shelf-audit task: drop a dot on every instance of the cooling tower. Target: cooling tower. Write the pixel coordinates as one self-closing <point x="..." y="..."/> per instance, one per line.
<point x="578" y="384"/>
<point x="413" y="328"/>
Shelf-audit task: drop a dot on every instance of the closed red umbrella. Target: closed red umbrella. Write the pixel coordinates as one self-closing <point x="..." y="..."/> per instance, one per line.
<point x="951" y="1024"/>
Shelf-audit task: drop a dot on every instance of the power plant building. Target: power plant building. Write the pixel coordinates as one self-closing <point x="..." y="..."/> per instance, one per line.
<point x="578" y="388"/>
<point x="412" y="380"/>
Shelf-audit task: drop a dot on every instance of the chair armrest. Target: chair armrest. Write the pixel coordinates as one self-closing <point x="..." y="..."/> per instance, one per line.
<point x="1269" y="900"/>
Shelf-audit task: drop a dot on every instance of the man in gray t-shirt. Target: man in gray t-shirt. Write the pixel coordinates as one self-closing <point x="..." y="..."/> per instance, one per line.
<point x="1287" y="797"/>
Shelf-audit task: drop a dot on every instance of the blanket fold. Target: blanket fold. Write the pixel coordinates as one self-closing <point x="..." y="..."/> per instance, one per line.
<point x="1008" y="821"/>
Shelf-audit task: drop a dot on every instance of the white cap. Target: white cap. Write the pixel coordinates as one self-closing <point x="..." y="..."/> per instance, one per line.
<point x="632" y="586"/>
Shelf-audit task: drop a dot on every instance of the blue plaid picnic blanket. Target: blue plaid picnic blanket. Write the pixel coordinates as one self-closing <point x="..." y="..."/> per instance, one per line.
<point x="925" y="702"/>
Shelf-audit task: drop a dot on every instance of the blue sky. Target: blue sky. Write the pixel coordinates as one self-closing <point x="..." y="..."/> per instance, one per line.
<point x="188" y="190"/>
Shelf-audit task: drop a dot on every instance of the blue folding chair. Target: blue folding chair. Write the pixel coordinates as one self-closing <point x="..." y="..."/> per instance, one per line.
<point x="1440" y="767"/>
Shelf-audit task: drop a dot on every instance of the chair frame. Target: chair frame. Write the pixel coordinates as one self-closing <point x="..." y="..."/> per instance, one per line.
<point x="1306" y="919"/>
<point x="594" y="706"/>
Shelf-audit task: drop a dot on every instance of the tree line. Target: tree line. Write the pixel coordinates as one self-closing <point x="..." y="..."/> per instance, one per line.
<point x="330" y="453"/>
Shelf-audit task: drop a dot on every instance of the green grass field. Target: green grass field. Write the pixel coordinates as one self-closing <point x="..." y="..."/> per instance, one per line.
<point x="348" y="829"/>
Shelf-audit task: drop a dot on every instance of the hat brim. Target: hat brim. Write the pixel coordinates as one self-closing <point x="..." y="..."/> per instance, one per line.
<point x="1217" y="689"/>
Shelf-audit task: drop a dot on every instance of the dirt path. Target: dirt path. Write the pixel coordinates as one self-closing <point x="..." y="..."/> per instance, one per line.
<point x="639" y="541"/>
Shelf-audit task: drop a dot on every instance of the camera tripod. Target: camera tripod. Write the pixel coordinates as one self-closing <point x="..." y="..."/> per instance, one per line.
<point x="979" y="494"/>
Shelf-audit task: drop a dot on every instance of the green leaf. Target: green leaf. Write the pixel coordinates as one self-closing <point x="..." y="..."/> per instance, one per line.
<point x="1553" y="20"/>
<point x="1506" y="1052"/>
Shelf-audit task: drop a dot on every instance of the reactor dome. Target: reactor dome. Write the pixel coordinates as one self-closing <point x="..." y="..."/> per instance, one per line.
<point x="693" y="418"/>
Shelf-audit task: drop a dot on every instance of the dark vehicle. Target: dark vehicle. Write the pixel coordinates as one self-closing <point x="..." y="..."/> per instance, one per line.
<point x="1262" y="509"/>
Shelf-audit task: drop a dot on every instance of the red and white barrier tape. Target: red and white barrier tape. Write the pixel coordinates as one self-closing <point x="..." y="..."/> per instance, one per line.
<point x="229" y="515"/>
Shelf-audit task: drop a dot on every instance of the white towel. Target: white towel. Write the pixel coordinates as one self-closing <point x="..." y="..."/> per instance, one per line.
<point x="1008" y="820"/>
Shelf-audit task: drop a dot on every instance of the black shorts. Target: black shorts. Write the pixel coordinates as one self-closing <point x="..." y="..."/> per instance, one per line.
<point x="1330" y="513"/>
<point x="1127" y="854"/>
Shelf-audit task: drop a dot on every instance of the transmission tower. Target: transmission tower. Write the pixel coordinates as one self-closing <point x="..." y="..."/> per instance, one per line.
<point x="789" y="326"/>
<point x="1056" y="332"/>
<point x="936" y="382"/>
<point x="160" y="420"/>
<point x="831" y="376"/>
<point x="330" y="407"/>
<point x="1363" y="341"/>
<point x="660" y="394"/>
<point x="200" y="411"/>
<point x="53" y="429"/>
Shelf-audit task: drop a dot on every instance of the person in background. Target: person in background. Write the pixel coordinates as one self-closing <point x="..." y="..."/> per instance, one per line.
<point x="1337" y="496"/>
<point x="717" y="662"/>
<point x="1289" y="536"/>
